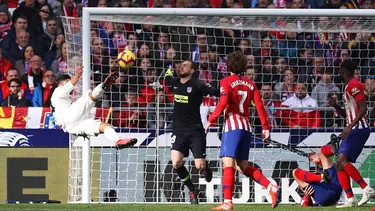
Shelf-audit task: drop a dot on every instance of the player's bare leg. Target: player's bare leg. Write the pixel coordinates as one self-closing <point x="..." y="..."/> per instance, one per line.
<point x="178" y="164"/>
<point x="202" y="165"/>
<point x="105" y="128"/>
<point x="256" y="174"/>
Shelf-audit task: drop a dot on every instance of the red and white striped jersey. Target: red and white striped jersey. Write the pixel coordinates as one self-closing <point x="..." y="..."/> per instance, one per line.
<point x="236" y="94"/>
<point x="354" y="93"/>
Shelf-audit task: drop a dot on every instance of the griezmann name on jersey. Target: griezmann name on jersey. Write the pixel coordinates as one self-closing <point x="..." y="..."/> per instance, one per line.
<point x="236" y="95"/>
<point x="354" y="93"/>
<point x="188" y="98"/>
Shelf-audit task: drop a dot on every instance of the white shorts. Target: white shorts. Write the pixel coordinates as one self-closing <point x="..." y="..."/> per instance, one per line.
<point x="75" y="118"/>
<point x="89" y="127"/>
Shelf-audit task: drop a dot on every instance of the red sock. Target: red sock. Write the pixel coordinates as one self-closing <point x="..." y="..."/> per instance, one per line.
<point x="257" y="175"/>
<point x="228" y="182"/>
<point x="307" y="176"/>
<point x="345" y="183"/>
<point x="354" y="174"/>
<point x="326" y="151"/>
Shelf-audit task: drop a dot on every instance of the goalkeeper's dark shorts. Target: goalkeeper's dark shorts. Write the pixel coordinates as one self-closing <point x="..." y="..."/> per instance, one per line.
<point x="194" y="140"/>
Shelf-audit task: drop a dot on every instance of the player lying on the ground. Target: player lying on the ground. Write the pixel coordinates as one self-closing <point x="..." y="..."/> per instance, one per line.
<point x="354" y="135"/>
<point x="320" y="189"/>
<point x="187" y="128"/>
<point x="73" y="116"/>
<point x="236" y="94"/>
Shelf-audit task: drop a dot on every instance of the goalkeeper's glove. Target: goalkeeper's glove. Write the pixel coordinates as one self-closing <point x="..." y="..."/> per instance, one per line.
<point x="169" y="72"/>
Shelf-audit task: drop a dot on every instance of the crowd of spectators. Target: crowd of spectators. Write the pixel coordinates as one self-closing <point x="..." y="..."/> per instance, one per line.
<point x="297" y="73"/>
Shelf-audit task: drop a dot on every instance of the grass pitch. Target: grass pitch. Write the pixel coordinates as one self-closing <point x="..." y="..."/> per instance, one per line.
<point x="162" y="207"/>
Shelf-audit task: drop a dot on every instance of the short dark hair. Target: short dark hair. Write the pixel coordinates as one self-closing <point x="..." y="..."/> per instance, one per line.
<point x="11" y="69"/>
<point x="328" y="71"/>
<point x="236" y="62"/>
<point x="21" y="17"/>
<point x="15" y="80"/>
<point x="192" y="63"/>
<point x="63" y="78"/>
<point x="51" y="18"/>
<point x="349" y="66"/>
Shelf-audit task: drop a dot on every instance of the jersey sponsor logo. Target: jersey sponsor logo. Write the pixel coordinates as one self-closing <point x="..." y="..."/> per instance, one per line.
<point x="189" y="89"/>
<point x="222" y="89"/>
<point x="181" y="98"/>
<point x="355" y="91"/>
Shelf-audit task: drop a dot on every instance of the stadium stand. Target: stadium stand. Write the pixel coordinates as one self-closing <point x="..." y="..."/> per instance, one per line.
<point x="32" y="42"/>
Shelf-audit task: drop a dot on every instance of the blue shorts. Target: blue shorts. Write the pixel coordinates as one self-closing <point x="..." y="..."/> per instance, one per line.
<point x="236" y="144"/>
<point x="352" y="146"/>
<point x="327" y="194"/>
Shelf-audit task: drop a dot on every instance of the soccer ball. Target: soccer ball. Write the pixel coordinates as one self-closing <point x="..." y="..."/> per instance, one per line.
<point x="126" y="59"/>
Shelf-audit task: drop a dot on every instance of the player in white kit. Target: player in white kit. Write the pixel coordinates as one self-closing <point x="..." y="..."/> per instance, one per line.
<point x="73" y="116"/>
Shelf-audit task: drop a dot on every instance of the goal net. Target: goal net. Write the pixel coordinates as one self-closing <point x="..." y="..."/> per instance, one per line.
<point x="293" y="59"/>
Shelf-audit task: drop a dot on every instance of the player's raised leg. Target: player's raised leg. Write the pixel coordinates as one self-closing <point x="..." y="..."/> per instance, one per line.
<point x="178" y="164"/>
<point x="98" y="91"/>
<point x="255" y="173"/>
<point x="110" y="133"/>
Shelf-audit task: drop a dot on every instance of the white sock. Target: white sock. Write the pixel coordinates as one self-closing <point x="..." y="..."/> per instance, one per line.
<point x="227" y="200"/>
<point x="367" y="188"/>
<point x="98" y="91"/>
<point x="111" y="134"/>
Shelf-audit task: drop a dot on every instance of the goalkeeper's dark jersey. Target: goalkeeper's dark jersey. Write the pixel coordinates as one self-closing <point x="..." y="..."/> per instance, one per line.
<point x="187" y="100"/>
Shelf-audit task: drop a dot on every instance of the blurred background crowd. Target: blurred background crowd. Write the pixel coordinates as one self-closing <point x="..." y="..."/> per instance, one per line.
<point x="297" y="73"/>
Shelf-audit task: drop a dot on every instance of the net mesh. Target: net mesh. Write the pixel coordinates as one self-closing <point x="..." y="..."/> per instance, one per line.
<point x="286" y="55"/>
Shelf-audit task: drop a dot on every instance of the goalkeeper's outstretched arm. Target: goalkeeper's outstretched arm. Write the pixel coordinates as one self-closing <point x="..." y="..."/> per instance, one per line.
<point x="169" y="79"/>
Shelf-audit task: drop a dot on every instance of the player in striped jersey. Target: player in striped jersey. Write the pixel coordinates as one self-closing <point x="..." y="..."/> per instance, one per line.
<point x="236" y="94"/>
<point x="354" y="135"/>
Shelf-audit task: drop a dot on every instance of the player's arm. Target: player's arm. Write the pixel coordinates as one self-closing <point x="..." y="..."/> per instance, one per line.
<point x="338" y="108"/>
<point x="169" y="79"/>
<point x="69" y="86"/>
<point x="222" y="104"/>
<point x="208" y="89"/>
<point x="262" y="113"/>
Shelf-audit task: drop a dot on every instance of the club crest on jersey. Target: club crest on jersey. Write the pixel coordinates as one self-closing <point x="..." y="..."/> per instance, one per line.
<point x="189" y="89"/>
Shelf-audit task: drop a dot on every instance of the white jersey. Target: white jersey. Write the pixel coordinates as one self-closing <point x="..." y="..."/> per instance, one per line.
<point x="61" y="101"/>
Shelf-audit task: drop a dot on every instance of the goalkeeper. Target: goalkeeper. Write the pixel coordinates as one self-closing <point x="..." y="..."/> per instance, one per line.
<point x="187" y="127"/>
<point x="324" y="189"/>
<point x="73" y="116"/>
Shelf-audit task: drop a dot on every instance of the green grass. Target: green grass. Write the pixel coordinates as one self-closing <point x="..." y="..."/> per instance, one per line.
<point x="162" y="207"/>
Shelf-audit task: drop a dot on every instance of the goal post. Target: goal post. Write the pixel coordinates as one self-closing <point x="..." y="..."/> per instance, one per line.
<point x="293" y="20"/>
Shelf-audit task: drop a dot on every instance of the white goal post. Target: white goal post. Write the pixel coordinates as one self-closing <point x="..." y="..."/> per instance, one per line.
<point x="200" y="18"/>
